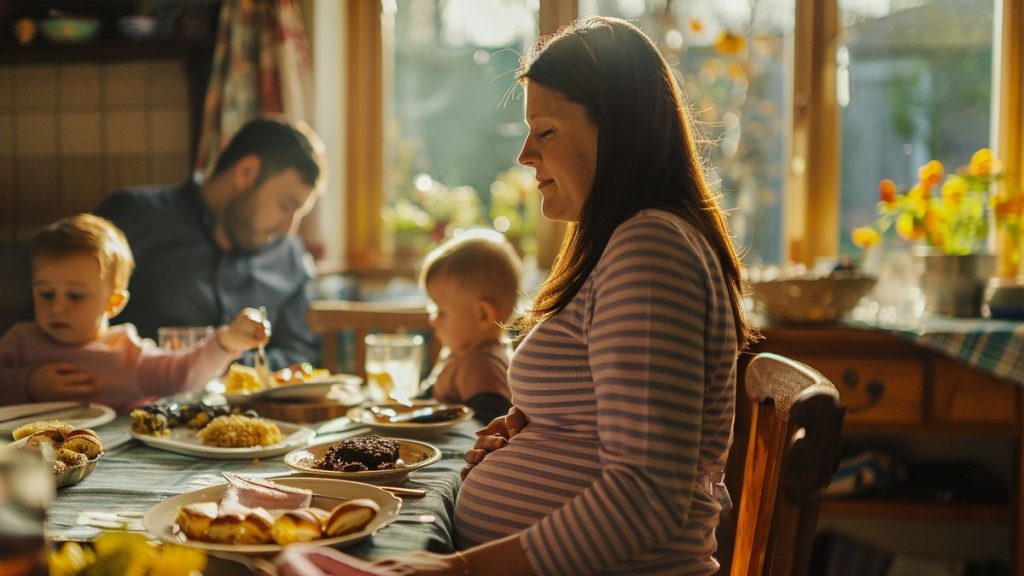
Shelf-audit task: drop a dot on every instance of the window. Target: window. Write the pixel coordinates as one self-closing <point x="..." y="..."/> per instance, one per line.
<point x="454" y="116"/>
<point x="805" y="104"/>
<point x="731" y="60"/>
<point x="915" y="84"/>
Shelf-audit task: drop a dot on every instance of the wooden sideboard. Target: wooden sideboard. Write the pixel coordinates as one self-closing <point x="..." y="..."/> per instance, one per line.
<point x="892" y="387"/>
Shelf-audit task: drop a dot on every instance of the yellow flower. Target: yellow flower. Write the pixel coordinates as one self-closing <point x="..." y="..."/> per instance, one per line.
<point x="178" y="560"/>
<point x="729" y="43"/>
<point x="984" y="164"/>
<point x="905" y="226"/>
<point x="696" y="26"/>
<point x="952" y="218"/>
<point x="953" y="190"/>
<point x="70" y="559"/>
<point x="917" y="195"/>
<point x="865" y="237"/>
<point x="931" y="173"/>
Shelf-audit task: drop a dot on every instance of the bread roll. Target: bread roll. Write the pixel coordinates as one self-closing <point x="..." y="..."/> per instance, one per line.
<point x="301" y="525"/>
<point x="351" y="516"/>
<point x="251" y="529"/>
<point x="84" y="441"/>
<point x="71" y="458"/>
<point x="55" y="429"/>
<point x="51" y="438"/>
<point x="194" y="519"/>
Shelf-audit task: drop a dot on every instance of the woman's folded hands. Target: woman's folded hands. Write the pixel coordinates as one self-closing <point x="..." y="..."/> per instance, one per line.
<point x="495" y="436"/>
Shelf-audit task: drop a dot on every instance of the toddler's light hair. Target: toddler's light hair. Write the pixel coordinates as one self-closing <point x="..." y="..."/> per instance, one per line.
<point x="90" y="235"/>
<point x="481" y="261"/>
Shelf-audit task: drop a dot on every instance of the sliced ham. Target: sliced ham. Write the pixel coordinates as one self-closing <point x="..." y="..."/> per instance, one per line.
<point x="253" y="493"/>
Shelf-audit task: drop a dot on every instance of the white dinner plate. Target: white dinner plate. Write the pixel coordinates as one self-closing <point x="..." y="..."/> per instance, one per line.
<point x="184" y="440"/>
<point x="414" y="454"/>
<point x="344" y="387"/>
<point x="327" y="493"/>
<point x="74" y="413"/>
<point x="365" y="415"/>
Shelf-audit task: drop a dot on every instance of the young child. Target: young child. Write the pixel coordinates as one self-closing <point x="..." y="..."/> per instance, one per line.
<point x="80" y="270"/>
<point x="473" y="282"/>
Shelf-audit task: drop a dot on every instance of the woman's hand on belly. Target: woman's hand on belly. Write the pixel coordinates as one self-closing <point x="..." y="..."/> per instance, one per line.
<point x="495" y="436"/>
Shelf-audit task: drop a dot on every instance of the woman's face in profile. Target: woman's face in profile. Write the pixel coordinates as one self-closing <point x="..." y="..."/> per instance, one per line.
<point x="562" y="147"/>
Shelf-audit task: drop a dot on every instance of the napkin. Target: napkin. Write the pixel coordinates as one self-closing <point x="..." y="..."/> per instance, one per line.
<point x="310" y="561"/>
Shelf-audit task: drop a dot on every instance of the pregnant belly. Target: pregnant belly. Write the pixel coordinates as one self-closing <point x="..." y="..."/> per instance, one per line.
<point x="515" y="487"/>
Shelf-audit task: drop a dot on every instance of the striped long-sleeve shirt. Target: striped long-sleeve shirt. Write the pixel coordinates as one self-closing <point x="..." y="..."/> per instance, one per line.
<point x="630" y="394"/>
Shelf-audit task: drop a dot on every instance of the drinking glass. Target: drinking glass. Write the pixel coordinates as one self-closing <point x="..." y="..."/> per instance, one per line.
<point x="26" y="488"/>
<point x="393" y="364"/>
<point x="181" y="337"/>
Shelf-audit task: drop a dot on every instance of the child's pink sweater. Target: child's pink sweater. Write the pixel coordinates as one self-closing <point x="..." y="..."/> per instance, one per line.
<point x="129" y="370"/>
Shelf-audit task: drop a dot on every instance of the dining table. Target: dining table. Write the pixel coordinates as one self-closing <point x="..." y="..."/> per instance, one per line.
<point x="131" y="477"/>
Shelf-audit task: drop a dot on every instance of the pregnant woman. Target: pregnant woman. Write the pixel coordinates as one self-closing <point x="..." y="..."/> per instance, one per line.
<point x="627" y="372"/>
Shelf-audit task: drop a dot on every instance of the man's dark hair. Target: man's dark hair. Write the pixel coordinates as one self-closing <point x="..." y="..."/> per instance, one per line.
<point x="279" y="144"/>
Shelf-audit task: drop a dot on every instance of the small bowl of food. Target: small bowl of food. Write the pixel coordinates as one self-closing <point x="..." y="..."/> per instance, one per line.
<point x="71" y="453"/>
<point x="66" y="28"/>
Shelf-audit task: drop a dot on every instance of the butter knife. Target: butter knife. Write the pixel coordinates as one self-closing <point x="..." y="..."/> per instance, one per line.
<point x="48" y="412"/>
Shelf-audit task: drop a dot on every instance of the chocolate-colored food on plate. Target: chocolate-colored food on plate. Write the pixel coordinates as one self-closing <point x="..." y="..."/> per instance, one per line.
<point x="360" y="454"/>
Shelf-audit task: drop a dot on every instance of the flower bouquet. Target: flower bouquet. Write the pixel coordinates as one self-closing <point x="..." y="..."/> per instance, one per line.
<point x="950" y="215"/>
<point x="947" y="218"/>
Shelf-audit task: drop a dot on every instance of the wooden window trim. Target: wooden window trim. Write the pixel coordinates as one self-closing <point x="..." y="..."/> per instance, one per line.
<point x="1009" y="139"/>
<point x="364" y="133"/>
<point x="811" y="219"/>
<point x="364" y="121"/>
<point x="812" y="194"/>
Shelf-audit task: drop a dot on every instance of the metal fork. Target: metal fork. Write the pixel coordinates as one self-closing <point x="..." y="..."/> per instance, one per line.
<point x="262" y="367"/>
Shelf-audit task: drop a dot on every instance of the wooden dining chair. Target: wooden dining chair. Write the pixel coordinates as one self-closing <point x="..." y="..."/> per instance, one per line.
<point x="330" y="318"/>
<point x="794" y="450"/>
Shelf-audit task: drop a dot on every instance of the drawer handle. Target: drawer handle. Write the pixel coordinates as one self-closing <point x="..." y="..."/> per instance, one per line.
<point x="869" y="398"/>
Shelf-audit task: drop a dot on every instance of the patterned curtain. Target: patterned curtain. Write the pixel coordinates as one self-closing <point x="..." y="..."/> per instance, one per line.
<point x="262" y="64"/>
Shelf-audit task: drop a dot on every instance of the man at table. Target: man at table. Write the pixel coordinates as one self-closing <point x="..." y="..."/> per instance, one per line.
<point x="207" y="248"/>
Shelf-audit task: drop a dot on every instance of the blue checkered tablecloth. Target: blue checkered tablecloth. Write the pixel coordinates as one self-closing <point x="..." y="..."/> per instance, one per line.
<point x="131" y="477"/>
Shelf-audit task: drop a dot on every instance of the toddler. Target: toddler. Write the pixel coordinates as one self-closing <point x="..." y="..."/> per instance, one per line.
<point x="80" y="270"/>
<point x="472" y="282"/>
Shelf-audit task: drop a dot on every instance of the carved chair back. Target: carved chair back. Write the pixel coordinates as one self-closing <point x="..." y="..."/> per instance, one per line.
<point x="794" y="450"/>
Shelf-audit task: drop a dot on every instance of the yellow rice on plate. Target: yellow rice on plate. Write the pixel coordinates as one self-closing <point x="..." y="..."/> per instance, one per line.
<point x="237" y="431"/>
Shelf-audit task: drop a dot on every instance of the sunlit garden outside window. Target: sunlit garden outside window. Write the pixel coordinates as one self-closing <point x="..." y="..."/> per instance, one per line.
<point x="454" y="124"/>
<point x="915" y="79"/>
<point x="732" y="62"/>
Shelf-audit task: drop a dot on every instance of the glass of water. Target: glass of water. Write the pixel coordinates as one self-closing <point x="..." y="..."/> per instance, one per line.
<point x="393" y="364"/>
<point x="181" y="337"/>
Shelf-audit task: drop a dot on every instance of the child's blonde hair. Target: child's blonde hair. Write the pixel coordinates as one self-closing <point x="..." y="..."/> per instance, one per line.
<point x="481" y="261"/>
<point x="90" y="235"/>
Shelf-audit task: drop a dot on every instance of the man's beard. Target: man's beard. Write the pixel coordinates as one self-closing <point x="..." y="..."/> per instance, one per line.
<point x="238" y="219"/>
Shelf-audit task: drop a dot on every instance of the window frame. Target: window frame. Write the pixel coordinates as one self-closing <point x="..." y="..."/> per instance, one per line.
<point x="812" y="196"/>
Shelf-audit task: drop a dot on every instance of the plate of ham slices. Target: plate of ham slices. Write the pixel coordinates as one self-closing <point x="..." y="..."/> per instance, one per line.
<point x="260" y="516"/>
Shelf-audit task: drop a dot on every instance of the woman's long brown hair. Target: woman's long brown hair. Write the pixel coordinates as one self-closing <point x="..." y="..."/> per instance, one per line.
<point x="646" y="155"/>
